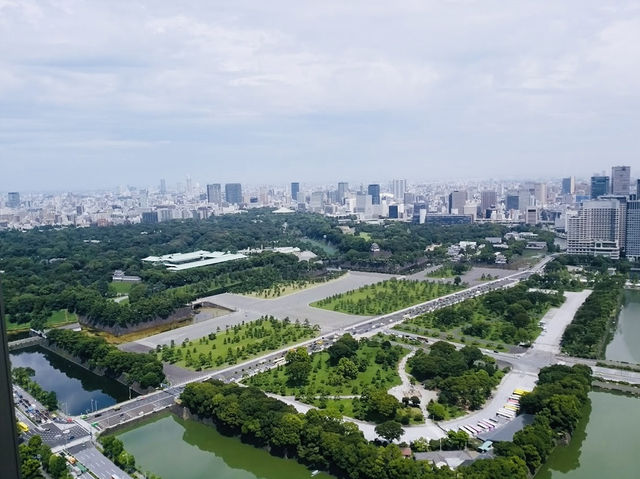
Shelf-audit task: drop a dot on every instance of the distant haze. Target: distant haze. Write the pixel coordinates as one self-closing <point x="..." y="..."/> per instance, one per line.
<point x="101" y="93"/>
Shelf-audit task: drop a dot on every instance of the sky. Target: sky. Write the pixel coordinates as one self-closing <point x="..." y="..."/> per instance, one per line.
<point x="103" y="93"/>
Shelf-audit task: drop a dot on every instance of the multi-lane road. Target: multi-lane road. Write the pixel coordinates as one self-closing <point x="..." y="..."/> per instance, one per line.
<point x="148" y="404"/>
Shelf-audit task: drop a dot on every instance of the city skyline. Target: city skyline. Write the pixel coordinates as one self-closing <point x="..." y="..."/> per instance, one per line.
<point x="91" y="91"/>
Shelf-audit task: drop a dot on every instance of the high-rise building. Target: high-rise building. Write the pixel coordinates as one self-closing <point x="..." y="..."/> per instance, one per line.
<point x="620" y="180"/>
<point x="540" y="193"/>
<point x="512" y="202"/>
<point x="398" y="189"/>
<point x="632" y="243"/>
<point x="419" y="213"/>
<point x="393" y="211"/>
<point x="409" y="198"/>
<point x="295" y="189"/>
<point x="568" y="185"/>
<point x="214" y="193"/>
<point x="599" y="186"/>
<point x="488" y="199"/>
<point x="150" y="217"/>
<point x="598" y="228"/>
<point x="317" y="201"/>
<point x="163" y="187"/>
<point x="13" y="199"/>
<point x="533" y="215"/>
<point x="524" y="199"/>
<point x="233" y="193"/>
<point x="374" y="191"/>
<point x="364" y="203"/>
<point x="343" y="189"/>
<point x="457" y="199"/>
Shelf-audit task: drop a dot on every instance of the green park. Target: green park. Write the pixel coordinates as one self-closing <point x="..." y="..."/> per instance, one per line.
<point x="509" y="316"/>
<point x="236" y="343"/>
<point x="385" y="297"/>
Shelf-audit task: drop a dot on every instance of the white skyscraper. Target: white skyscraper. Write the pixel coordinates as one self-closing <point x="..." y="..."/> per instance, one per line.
<point x="598" y="229"/>
<point x="398" y="189"/>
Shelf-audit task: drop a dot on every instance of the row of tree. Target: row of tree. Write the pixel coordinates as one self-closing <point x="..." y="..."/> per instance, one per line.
<point x="558" y="402"/>
<point x="316" y="439"/>
<point x="144" y="369"/>
<point x="588" y="333"/>
<point x="22" y="377"/>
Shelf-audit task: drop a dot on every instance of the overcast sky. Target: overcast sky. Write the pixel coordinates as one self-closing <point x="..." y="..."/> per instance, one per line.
<point x="106" y="92"/>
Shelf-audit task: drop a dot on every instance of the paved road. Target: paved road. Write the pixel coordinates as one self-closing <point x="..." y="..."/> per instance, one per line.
<point x="93" y="460"/>
<point x="248" y="308"/>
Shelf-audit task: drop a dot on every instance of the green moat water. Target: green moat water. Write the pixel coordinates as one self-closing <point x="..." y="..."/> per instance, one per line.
<point x="177" y="449"/>
<point x="605" y="443"/>
<point x="624" y="345"/>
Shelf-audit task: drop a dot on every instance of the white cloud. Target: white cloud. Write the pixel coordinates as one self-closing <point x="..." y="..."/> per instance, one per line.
<point x="421" y="72"/>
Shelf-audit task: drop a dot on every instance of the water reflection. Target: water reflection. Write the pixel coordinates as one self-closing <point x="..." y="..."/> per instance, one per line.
<point x="78" y="390"/>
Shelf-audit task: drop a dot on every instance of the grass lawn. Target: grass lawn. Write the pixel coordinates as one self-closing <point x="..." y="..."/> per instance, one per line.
<point x="238" y="343"/>
<point x="385" y="297"/>
<point x="321" y="382"/>
<point x="120" y="287"/>
<point x="486" y="321"/>
<point x="366" y="236"/>
<point x="57" y="318"/>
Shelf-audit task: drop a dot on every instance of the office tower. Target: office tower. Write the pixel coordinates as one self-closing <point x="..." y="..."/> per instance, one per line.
<point x="163" y="187"/>
<point x="374" y="191"/>
<point x="599" y="186"/>
<point x="150" y="217"/>
<point x="233" y="193"/>
<point x="398" y="189"/>
<point x="393" y="211"/>
<point x="524" y="199"/>
<point x="317" y="201"/>
<point x="488" y="199"/>
<point x="632" y="241"/>
<point x="214" y="193"/>
<point x="598" y="228"/>
<point x="568" y="185"/>
<point x="457" y="199"/>
<point x="295" y="189"/>
<point x="620" y="179"/>
<point x="512" y="202"/>
<point x="13" y="199"/>
<point x="540" y="192"/>
<point x="638" y="189"/>
<point x="532" y="216"/>
<point x="343" y="189"/>
<point x="409" y="198"/>
<point x="189" y="185"/>
<point x="364" y="203"/>
<point x="419" y="213"/>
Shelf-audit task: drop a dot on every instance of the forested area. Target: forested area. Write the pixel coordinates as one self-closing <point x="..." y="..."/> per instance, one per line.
<point x="558" y="402"/>
<point x="316" y="439"/>
<point x="385" y="297"/>
<point x="510" y="315"/>
<point x="144" y="369"/>
<point x="589" y="332"/>
<point x="36" y="458"/>
<point x="463" y="378"/>
<point x="53" y="269"/>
